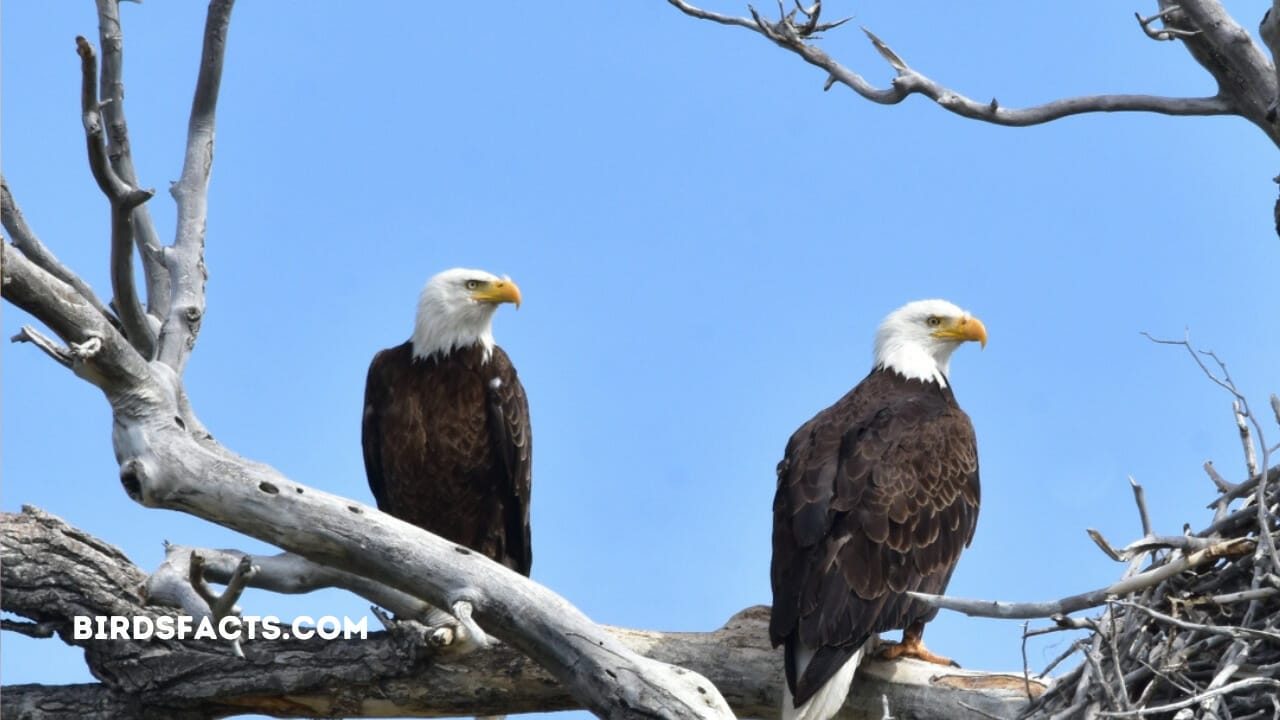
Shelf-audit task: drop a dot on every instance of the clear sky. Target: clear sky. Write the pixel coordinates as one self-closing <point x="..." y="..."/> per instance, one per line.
<point x="705" y="241"/>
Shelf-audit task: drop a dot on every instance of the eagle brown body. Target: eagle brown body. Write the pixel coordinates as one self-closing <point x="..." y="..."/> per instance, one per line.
<point x="447" y="447"/>
<point x="877" y="496"/>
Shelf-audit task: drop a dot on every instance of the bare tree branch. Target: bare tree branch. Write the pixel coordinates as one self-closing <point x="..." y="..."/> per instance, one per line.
<point x="1197" y="698"/>
<point x="1206" y="638"/>
<point x="38" y="630"/>
<point x="910" y="82"/>
<point x="1245" y="418"/>
<point x="1246" y="440"/>
<point x="1228" y="631"/>
<point x="1218" y="481"/>
<point x="1140" y="498"/>
<point x="70" y="315"/>
<point x="111" y="40"/>
<point x="1167" y="33"/>
<point x="1227" y="51"/>
<point x="1095" y="598"/>
<point x="87" y="701"/>
<point x="60" y="354"/>
<point x="185" y="259"/>
<point x="124" y="199"/>
<point x="24" y="239"/>
<point x="390" y="673"/>
<point x="283" y="573"/>
<point x="162" y="465"/>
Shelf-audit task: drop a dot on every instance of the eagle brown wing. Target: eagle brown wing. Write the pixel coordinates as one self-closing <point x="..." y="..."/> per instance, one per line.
<point x="512" y="439"/>
<point x="877" y="496"/>
<point x="447" y="447"/>
<point x="377" y="393"/>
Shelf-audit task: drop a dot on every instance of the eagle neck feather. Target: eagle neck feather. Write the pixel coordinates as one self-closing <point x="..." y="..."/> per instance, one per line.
<point x="913" y="362"/>
<point x="438" y="333"/>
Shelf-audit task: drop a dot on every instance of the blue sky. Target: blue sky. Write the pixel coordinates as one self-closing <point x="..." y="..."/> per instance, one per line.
<point x="705" y="241"/>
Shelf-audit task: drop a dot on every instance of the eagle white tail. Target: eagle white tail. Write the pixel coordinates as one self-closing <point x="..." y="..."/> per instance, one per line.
<point x="826" y="702"/>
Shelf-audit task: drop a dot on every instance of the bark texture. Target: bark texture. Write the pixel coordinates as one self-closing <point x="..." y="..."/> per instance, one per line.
<point x="53" y="572"/>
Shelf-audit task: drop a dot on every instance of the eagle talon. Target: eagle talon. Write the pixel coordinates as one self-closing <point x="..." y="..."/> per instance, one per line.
<point x="912" y="646"/>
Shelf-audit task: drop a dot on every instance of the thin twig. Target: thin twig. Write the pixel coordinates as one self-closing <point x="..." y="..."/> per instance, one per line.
<point x="1225" y="631"/>
<point x="1026" y="665"/>
<point x="1116" y="661"/>
<point x="1167" y="33"/>
<point x="1140" y="497"/>
<point x="1218" y="481"/>
<point x="1071" y="650"/>
<point x="1242" y="424"/>
<point x="30" y="629"/>
<point x="1243" y="596"/>
<point x="1102" y="544"/>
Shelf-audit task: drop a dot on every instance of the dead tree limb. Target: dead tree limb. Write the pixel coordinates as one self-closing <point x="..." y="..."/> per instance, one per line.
<point x="168" y="460"/>
<point x="52" y="572"/>
<point x="120" y="154"/>
<point x="786" y="33"/>
<point x="1248" y="82"/>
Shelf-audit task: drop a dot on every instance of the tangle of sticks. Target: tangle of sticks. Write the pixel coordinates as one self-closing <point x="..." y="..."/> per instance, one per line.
<point x="1200" y="643"/>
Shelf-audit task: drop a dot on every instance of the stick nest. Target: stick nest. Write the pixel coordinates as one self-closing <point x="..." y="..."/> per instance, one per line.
<point x="1202" y="643"/>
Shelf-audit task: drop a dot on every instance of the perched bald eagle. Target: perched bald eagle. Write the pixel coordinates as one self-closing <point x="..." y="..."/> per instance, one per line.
<point x="877" y="496"/>
<point x="446" y="436"/>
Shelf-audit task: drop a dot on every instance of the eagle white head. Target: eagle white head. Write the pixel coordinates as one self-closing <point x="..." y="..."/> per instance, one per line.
<point x="456" y="310"/>
<point x="917" y="339"/>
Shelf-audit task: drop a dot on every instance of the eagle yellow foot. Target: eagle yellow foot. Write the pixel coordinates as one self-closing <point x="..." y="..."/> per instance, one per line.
<point x="912" y="645"/>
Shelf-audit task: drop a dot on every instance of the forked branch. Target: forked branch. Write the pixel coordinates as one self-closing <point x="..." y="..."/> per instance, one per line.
<point x="124" y="199"/>
<point x="787" y="34"/>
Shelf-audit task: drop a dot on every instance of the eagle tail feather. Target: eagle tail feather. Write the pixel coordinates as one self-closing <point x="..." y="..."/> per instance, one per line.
<point x="826" y="700"/>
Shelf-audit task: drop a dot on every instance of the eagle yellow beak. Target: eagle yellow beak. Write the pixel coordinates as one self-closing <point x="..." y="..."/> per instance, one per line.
<point x="963" y="329"/>
<point x="498" y="291"/>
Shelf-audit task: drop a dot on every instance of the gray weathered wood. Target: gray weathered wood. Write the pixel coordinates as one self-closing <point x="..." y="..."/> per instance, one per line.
<point x="394" y="673"/>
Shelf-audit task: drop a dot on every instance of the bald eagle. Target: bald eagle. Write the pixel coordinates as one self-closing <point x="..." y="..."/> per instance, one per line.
<point x="877" y="496"/>
<point x="446" y="435"/>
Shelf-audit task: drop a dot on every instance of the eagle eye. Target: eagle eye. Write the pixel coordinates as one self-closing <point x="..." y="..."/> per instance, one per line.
<point x="473" y="284"/>
<point x="933" y="321"/>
